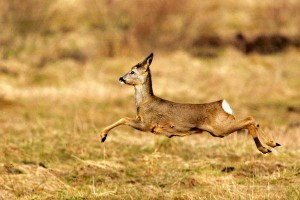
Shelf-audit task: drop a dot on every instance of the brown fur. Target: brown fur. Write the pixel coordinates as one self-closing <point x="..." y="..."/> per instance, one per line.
<point x="163" y="117"/>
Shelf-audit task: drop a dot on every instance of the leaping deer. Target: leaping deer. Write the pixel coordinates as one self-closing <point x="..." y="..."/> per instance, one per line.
<point x="163" y="117"/>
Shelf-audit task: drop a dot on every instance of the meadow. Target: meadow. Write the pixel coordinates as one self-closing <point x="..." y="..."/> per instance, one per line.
<point x="59" y="88"/>
<point x="50" y="145"/>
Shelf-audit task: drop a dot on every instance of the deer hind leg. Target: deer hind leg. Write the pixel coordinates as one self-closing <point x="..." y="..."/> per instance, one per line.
<point x="137" y="124"/>
<point x="253" y="132"/>
<point x="268" y="140"/>
<point x="250" y="124"/>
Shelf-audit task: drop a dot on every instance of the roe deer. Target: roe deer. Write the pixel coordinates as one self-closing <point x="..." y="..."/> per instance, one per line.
<point x="164" y="117"/>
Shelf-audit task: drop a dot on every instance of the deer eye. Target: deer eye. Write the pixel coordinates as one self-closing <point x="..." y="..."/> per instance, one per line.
<point x="132" y="72"/>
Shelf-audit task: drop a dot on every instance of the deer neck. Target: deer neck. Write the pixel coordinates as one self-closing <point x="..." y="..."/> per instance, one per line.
<point x="143" y="92"/>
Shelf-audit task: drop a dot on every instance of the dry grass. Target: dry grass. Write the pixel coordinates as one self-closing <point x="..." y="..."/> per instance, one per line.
<point x="50" y="120"/>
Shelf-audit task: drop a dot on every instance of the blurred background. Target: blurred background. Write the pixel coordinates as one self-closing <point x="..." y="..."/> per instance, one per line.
<point x="60" y="61"/>
<point x="83" y="30"/>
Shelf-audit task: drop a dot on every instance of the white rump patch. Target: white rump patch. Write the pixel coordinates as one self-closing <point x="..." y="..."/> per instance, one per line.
<point x="226" y="107"/>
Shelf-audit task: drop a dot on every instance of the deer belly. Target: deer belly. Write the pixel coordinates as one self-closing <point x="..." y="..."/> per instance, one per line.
<point x="170" y="131"/>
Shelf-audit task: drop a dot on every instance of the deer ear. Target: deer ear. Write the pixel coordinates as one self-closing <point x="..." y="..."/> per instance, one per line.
<point x="147" y="62"/>
<point x="149" y="59"/>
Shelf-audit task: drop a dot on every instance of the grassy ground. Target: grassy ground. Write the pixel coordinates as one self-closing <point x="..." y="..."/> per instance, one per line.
<point x="51" y="117"/>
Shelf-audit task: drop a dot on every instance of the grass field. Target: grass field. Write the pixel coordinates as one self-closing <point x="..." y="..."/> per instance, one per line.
<point x="51" y="117"/>
<point x="59" y="71"/>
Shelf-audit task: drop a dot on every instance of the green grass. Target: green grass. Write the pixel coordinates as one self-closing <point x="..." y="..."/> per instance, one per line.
<point x="50" y="146"/>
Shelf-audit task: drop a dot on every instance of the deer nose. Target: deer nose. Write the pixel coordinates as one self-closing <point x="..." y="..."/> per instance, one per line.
<point x="122" y="81"/>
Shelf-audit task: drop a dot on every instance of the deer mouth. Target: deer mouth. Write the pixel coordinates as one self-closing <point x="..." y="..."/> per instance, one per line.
<point x="122" y="80"/>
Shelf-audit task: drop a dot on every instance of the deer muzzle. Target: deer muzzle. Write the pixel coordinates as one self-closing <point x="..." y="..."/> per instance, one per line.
<point x="122" y="80"/>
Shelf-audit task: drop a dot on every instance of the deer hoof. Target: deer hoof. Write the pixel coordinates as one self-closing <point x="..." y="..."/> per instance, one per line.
<point x="273" y="144"/>
<point x="264" y="150"/>
<point x="278" y="145"/>
<point x="103" y="138"/>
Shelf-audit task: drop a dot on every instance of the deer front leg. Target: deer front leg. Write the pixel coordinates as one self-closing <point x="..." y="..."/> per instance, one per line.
<point x="137" y="124"/>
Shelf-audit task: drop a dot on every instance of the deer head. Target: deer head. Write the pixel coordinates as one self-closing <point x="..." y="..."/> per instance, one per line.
<point x="137" y="75"/>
